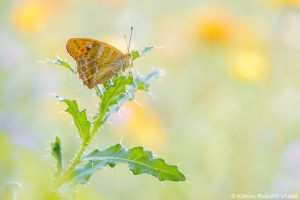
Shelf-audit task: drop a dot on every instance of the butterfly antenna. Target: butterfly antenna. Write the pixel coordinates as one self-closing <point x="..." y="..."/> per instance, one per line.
<point x="128" y="47"/>
<point x="125" y="37"/>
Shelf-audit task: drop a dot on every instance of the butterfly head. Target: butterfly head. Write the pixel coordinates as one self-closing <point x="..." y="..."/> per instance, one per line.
<point x="127" y="61"/>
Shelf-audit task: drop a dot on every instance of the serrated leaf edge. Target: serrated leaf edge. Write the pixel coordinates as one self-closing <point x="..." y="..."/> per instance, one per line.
<point x="149" y="156"/>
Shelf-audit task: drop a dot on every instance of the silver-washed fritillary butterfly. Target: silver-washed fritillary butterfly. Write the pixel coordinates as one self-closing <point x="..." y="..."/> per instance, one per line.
<point x="97" y="61"/>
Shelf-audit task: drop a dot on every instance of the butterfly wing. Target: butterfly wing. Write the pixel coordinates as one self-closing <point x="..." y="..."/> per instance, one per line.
<point x="96" y="61"/>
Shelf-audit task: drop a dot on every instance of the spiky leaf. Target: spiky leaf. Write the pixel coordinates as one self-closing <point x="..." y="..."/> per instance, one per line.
<point x="56" y="153"/>
<point x="139" y="161"/>
<point x="83" y="173"/>
<point x="142" y="82"/>
<point x="80" y="119"/>
<point x="119" y="90"/>
<point x="62" y="63"/>
<point x="137" y="54"/>
<point x="114" y="95"/>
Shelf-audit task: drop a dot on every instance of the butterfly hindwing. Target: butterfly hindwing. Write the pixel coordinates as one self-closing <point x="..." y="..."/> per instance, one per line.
<point x="96" y="61"/>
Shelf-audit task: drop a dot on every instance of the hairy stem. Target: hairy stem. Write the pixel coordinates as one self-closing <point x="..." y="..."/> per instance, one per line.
<point x="76" y="160"/>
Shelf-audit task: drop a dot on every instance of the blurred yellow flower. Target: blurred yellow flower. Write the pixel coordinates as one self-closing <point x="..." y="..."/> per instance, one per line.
<point x="286" y="2"/>
<point x="250" y="66"/>
<point x="31" y="15"/>
<point x="215" y="25"/>
<point x="143" y="126"/>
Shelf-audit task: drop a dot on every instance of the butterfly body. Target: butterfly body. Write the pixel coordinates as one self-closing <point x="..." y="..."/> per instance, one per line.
<point x="96" y="61"/>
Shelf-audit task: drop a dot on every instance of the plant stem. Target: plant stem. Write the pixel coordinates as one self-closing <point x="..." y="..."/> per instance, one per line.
<point x="76" y="160"/>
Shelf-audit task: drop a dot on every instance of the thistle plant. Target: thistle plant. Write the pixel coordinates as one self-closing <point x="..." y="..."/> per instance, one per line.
<point x="112" y="95"/>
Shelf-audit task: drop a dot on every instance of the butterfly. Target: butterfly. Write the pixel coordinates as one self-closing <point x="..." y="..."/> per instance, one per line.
<point x="97" y="61"/>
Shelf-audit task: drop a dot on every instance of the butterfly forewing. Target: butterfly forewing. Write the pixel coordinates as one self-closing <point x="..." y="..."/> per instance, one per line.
<point x="96" y="61"/>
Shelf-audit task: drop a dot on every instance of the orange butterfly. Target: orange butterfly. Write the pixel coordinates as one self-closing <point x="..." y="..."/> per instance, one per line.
<point x="97" y="61"/>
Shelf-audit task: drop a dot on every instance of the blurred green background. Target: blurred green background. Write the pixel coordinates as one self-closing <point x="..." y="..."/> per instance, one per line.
<point x="227" y="110"/>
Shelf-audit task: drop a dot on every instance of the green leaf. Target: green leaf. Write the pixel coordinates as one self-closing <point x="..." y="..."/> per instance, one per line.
<point x="56" y="153"/>
<point x="79" y="117"/>
<point x="139" y="161"/>
<point x="143" y="82"/>
<point x="62" y="63"/>
<point x="137" y="54"/>
<point x="119" y="90"/>
<point x="82" y="174"/>
<point x="114" y="94"/>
